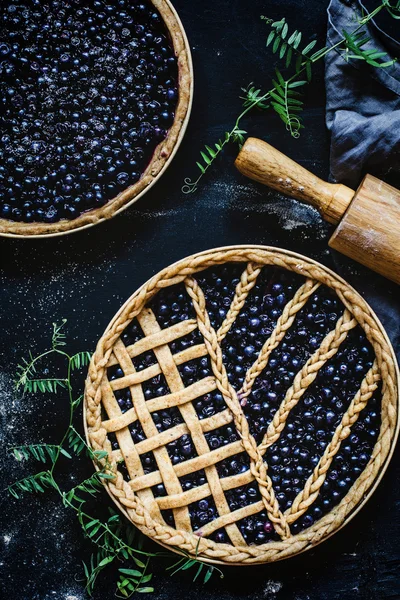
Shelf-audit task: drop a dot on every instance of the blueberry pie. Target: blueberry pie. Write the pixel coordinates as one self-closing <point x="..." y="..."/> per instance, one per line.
<point x="248" y="400"/>
<point x="96" y="96"/>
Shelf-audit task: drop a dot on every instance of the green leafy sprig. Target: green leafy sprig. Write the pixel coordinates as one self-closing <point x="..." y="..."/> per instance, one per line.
<point x="113" y="539"/>
<point x="188" y="562"/>
<point x="283" y="97"/>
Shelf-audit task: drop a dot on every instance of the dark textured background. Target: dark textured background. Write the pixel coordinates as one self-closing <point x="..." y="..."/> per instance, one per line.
<point x="85" y="277"/>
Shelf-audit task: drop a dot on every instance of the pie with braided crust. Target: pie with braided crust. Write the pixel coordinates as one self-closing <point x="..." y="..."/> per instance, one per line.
<point x="247" y="397"/>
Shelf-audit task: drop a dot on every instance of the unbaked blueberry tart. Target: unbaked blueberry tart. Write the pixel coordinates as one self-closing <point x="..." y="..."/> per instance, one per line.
<point x="96" y="97"/>
<point x="248" y="401"/>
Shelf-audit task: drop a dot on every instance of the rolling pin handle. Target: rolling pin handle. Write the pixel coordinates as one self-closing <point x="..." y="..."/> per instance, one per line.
<point x="261" y="162"/>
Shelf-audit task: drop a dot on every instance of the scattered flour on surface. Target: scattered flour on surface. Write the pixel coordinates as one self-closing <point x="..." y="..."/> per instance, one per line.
<point x="290" y="213"/>
<point x="271" y="589"/>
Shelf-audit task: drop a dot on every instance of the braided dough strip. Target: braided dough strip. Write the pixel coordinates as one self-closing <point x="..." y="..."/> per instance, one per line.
<point x="284" y="322"/>
<point x="304" y="378"/>
<point x="247" y="281"/>
<point x="314" y="483"/>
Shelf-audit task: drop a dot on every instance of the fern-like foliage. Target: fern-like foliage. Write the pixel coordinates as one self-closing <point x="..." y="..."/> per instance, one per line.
<point x="287" y="104"/>
<point x="89" y="486"/>
<point x="75" y="441"/>
<point x="188" y="562"/>
<point x="287" y="47"/>
<point x="80" y="360"/>
<point x="355" y="50"/>
<point x="134" y="580"/>
<point x="58" y="337"/>
<point x="40" y="452"/>
<point x="34" y="484"/>
<point x="44" y="385"/>
<point x="253" y="97"/>
<point x="98" y="562"/>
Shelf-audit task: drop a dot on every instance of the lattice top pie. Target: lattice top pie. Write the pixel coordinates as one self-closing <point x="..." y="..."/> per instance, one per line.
<point x="248" y="401"/>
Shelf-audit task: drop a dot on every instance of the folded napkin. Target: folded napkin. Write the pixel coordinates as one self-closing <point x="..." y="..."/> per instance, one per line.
<point x="363" y="103"/>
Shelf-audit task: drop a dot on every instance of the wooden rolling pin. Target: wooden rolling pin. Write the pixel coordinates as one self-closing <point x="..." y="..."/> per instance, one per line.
<point x="368" y="220"/>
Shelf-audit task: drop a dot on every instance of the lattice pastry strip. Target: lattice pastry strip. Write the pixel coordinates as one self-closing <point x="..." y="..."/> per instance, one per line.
<point x="171" y="481"/>
<point x="128" y="453"/>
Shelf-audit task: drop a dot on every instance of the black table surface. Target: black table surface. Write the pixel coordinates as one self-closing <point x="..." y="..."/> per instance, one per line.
<point x="85" y="277"/>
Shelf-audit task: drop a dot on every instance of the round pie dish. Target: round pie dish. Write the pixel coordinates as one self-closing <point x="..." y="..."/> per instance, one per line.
<point x="98" y="101"/>
<point x="248" y="400"/>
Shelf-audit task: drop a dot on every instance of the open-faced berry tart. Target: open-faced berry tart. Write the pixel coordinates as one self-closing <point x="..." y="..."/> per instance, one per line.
<point x="96" y="97"/>
<point x="248" y="401"/>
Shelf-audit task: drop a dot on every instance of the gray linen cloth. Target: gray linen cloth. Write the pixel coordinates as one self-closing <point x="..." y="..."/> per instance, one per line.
<point x="363" y="103"/>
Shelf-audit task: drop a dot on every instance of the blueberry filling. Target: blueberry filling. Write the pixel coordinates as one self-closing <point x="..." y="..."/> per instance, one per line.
<point x="191" y="339"/>
<point x="239" y="463"/>
<point x="311" y="423"/>
<point x="155" y="387"/>
<point x="193" y="480"/>
<point x="303" y="339"/>
<point x="221" y="437"/>
<point x="209" y="405"/>
<point x="137" y="432"/>
<point x="89" y="90"/>
<point x="124" y="399"/>
<point x="195" y="370"/>
<point x="171" y="306"/>
<point x="132" y="333"/>
<point x="165" y="419"/>
<point x="218" y="285"/>
<point x="181" y="449"/>
<point x="257" y="529"/>
<point x="148" y="462"/>
<point x="202" y="512"/>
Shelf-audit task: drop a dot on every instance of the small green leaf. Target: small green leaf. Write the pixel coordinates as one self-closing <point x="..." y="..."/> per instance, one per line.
<point x="208" y="574"/>
<point x="132" y="572"/>
<point x="188" y="565"/>
<point x="210" y="151"/>
<point x="17" y="454"/>
<point x="270" y="37"/>
<point x="205" y="158"/>
<point x="282" y="50"/>
<point x="280" y="77"/>
<point x="139" y="562"/>
<point x="296" y="84"/>
<point x="145" y="590"/>
<point x="309" y="47"/>
<point x="288" y="57"/>
<point x="297" y="41"/>
<point x="199" y="570"/>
